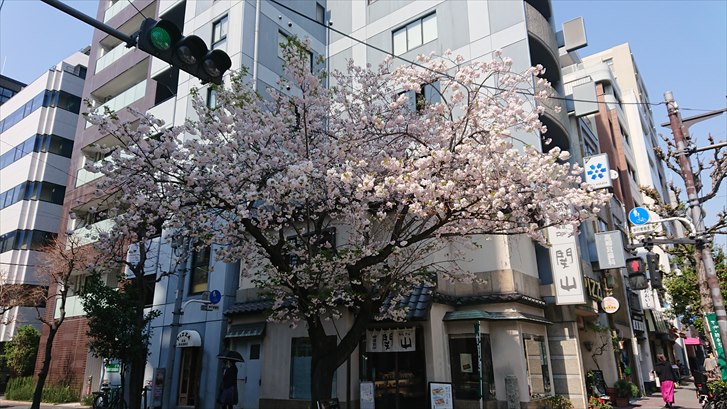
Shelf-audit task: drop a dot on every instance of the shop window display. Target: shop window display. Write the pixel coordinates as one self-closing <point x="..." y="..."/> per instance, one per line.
<point x="465" y="370"/>
<point x="393" y="359"/>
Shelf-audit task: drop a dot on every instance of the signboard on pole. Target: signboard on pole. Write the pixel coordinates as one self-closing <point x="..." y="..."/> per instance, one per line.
<point x="718" y="346"/>
<point x="597" y="171"/>
<point x="566" y="265"/>
<point x="610" y="250"/>
<point x="639" y="216"/>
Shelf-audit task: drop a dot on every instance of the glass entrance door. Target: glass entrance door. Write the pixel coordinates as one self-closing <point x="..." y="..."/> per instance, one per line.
<point x="189" y="376"/>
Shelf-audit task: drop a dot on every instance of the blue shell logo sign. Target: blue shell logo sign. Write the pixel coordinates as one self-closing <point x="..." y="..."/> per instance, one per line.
<point x="597" y="171"/>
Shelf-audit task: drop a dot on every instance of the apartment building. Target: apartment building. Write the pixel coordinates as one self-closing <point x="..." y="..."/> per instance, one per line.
<point x="531" y="346"/>
<point x="37" y="130"/>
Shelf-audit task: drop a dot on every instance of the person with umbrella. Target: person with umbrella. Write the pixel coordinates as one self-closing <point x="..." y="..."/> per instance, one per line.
<point x="228" y="388"/>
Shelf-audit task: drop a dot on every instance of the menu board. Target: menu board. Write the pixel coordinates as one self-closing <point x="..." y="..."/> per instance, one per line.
<point x="367" y="395"/>
<point x="440" y="395"/>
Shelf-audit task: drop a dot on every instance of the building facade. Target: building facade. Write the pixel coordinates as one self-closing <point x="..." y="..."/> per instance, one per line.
<point x="37" y="129"/>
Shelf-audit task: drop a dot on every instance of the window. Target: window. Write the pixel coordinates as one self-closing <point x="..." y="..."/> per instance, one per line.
<point x="300" y="367"/>
<point x="465" y="370"/>
<point x="200" y="271"/>
<point x="428" y="95"/>
<point x="211" y="98"/>
<point x="320" y="13"/>
<point x="25" y="240"/>
<point x="536" y="359"/>
<point x="219" y="33"/>
<point x="283" y="42"/>
<point x="414" y="34"/>
<point x="30" y="190"/>
<point x="254" y="351"/>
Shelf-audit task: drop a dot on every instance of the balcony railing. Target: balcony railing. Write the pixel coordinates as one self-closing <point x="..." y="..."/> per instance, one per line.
<point x="114" y="9"/>
<point x="90" y="234"/>
<point x="74" y="308"/>
<point x="124" y="99"/>
<point x="84" y="176"/>
<point x="111" y="56"/>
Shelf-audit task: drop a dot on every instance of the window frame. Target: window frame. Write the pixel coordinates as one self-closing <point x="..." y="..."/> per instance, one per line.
<point x="197" y="265"/>
<point x="223" y="24"/>
<point x="410" y="26"/>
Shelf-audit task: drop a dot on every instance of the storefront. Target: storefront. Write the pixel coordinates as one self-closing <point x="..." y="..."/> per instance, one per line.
<point x="393" y="359"/>
<point x="190" y="343"/>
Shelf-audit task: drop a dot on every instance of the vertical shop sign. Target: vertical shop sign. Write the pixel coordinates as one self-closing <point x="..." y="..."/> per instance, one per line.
<point x="714" y="329"/>
<point x="566" y="265"/>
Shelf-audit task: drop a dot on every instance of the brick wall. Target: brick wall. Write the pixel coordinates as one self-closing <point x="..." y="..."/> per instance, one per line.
<point x="70" y="350"/>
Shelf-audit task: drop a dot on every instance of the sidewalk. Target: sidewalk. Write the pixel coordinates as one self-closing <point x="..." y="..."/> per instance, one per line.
<point x="12" y="404"/>
<point x="685" y="397"/>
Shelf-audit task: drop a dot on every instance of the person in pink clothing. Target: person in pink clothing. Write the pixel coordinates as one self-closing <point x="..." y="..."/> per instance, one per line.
<point x="666" y="378"/>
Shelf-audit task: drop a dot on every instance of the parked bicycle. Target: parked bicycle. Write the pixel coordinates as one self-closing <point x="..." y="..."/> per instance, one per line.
<point x="110" y="397"/>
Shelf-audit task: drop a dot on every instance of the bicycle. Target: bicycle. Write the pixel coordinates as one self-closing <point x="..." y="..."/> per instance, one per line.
<point x="109" y="398"/>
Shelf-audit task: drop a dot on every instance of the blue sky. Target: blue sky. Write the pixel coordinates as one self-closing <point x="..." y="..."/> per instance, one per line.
<point x="678" y="45"/>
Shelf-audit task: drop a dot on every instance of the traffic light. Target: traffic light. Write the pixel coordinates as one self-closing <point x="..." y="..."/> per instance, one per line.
<point x="163" y="40"/>
<point x="652" y="260"/>
<point x="637" y="273"/>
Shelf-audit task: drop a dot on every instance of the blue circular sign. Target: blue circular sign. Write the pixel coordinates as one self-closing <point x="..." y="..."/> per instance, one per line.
<point x="639" y="216"/>
<point x="215" y="296"/>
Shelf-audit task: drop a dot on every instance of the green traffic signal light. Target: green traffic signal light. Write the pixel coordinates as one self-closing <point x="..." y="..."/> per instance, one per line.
<point x="160" y="38"/>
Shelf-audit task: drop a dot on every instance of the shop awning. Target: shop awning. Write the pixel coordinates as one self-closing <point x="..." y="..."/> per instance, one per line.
<point x="692" y="341"/>
<point x="256" y="329"/>
<point x="188" y="338"/>
<point x="480" y="315"/>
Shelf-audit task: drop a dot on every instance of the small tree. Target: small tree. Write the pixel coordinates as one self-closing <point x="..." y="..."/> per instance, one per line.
<point x="61" y="259"/>
<point x="20" y="352"/>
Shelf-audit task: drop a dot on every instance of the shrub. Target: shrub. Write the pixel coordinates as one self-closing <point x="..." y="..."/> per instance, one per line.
<point x="626" y="389"/>
<point x="557" y="402"/>
<point x="22" y="389"/>
<point x="87" y="400"/>
<point x="20" y="351"/>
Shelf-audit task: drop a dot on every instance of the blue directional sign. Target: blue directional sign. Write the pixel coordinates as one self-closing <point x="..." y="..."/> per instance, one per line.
<point x="215" y="296"/>
<point x="639" y="216"/>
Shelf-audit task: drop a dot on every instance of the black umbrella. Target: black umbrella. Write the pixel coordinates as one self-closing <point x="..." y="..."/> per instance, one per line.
<point x="231" y="356"/>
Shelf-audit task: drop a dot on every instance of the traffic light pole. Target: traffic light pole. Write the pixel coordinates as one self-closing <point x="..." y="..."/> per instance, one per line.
<point x="129" y="40"/>
<point x="704" y="251"/>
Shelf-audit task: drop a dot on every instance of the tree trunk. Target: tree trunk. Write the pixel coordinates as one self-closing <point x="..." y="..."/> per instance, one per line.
<point x="323" y="369"/>
<point x="138" y="363"/>
<point x="43" y="373"/>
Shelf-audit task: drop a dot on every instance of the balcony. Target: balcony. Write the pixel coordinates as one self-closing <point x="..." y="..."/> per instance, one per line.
<point x="543" y="46"/>
<point x="555" y="118"/>
<point x="124" y="99"/>
<point x="74" y="308"/>
<point x="114" y="9"/>
<point x="89" y="234"/>
<point x="84" y="176"/>
<point x="111" y="56"/>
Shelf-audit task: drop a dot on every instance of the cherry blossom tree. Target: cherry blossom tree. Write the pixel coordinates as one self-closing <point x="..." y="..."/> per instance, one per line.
<point x="61" y="260"/>
<point x="337" y="200"/>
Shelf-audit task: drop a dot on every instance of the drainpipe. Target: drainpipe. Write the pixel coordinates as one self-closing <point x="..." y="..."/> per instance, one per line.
<point x="255" y="46"/>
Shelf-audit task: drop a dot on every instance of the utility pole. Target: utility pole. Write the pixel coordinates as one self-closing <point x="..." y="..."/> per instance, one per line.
<point x="704" y="251"/>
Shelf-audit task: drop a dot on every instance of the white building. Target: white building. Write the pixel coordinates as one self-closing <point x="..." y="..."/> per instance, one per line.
<point x="37" y="130"/>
